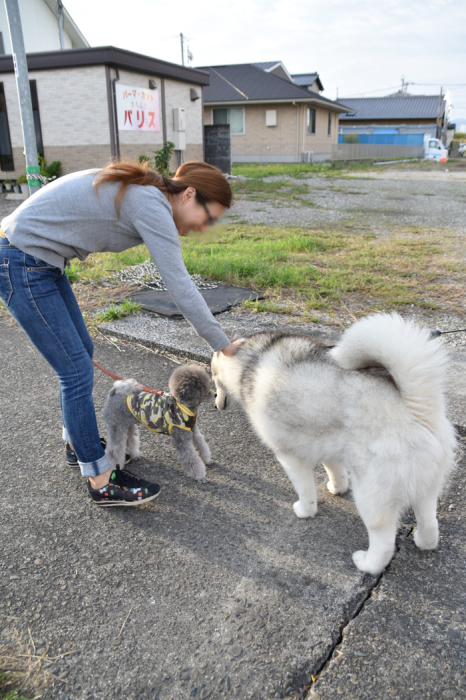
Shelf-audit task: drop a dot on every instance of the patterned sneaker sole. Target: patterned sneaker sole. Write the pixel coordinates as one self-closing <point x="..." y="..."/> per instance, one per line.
<point x="109" y="504"/>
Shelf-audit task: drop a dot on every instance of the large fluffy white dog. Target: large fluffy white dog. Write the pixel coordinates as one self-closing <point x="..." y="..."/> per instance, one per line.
<point x="373" y="405"/>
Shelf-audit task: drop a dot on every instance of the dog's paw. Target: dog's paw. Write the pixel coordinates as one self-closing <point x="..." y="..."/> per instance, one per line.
<point x="305" y="511"/>
<point x="428" y="540"/>
<point x="209" y="462"/>
<point x="202" y="479"/>
<point x="368" y="564"/>
<point x="135" y="457"/>
<point x="205" y="456"/>
<point x="337" y="490"/>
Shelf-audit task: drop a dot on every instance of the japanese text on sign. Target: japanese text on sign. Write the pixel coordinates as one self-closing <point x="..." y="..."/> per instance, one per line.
<point x="137" y="108"/>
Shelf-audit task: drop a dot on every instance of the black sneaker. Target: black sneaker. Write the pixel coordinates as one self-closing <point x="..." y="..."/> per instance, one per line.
<point x="124" y="489"/>
<point x="72" y="460"/>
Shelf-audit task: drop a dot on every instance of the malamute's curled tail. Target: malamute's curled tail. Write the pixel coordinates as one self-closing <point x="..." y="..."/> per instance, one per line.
<point x="416" y="361"/>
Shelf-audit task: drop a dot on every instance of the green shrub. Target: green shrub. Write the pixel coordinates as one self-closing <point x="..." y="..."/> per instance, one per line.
<point x="21" y="179"/>
<point x="162" y="158"/>
<point x="52" y="170"/>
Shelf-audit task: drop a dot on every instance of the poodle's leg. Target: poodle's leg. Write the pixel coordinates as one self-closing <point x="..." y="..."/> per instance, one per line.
<point x="301" y="476"/>
<point x="189" y="458"/>
<point x="380" y="513"/>
<point x="116" y="443"/>
<point x="338" y="478"/>
<point x="201" y="446"/>
<point x="425" y="510"/>
<point x="132" y="441"/>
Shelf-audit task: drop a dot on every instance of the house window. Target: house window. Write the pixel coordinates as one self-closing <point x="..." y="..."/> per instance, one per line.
<point x="6" y="155"/>
<point x="233" y="117"/>
<point x="270" y="117"/>
<point x="36" y="117"/>
<point x="311" y="121"/>
<point x="329" y="123"/>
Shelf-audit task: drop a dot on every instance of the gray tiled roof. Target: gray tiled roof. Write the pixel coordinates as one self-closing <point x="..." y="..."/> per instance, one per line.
<point x="244" y="82"/>
<point x="406" y="107"/>
<point x="304" y="79"/>
<point x="266" y="65"/>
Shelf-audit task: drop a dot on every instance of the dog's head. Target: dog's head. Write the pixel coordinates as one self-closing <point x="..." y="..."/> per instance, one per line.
<point x="225" y="373"/>
<point x="190" y="385"/>
<point x="220" y="366"/>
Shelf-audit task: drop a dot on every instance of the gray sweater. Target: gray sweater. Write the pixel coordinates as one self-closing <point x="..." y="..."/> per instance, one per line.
<point x="66" y="219"/>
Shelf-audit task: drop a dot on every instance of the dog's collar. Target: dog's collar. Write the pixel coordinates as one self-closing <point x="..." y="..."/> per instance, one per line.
<point x="184" y="408"/>
<point x="167" y="395"/>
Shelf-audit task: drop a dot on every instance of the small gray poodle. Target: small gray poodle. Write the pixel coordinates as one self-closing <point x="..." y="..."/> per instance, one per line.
<point x="128" y="405"/>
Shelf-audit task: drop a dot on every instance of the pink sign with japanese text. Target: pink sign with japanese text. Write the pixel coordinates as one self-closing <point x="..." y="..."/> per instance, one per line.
<point x="137" y="108"/>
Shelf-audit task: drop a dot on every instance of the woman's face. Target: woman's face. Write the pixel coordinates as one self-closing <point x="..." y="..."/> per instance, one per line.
<point x="189" y="215"/>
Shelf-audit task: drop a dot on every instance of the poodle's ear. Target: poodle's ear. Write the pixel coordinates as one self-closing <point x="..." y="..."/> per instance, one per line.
<point x="236" y="335"/>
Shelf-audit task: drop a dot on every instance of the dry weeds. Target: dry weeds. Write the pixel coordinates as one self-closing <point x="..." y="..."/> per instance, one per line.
<point x="22" y="668"/>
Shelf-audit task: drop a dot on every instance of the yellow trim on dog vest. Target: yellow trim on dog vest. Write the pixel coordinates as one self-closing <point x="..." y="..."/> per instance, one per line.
<point x="160" y="413"/>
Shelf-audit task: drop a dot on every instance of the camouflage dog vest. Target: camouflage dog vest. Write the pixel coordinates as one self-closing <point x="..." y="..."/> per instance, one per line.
<point x="160" y="413"/>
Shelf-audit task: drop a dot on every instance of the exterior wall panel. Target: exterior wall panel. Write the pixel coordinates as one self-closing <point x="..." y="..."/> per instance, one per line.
<point x="40" y="27"/>
<point x="288" y="139"/>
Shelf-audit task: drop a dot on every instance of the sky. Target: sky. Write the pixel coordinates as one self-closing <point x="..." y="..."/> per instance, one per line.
<point x="359" y="48"/>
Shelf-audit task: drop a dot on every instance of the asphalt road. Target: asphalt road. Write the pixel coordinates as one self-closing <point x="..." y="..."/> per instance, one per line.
<point x="213" y="590"/>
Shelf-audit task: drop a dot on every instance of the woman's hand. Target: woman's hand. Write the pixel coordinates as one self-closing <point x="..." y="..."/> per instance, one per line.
<point x="232" y="348"/>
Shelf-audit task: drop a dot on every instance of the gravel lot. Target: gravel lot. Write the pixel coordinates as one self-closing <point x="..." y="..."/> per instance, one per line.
<point x="375" y="203"/>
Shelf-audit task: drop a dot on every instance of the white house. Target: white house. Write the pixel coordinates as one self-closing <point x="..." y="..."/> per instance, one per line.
<point x="41" y="27"/>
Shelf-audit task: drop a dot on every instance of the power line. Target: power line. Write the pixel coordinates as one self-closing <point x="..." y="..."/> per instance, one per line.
<point x="437" y="84"/>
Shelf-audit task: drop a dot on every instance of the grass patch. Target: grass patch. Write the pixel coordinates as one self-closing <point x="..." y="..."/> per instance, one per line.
<point x="297" y="170"/>
<point x="300" y="270"/>
<point x="327" y="269"/>
<point x="114" y="313"/>
<point x="99" y="265"/>
<point x="276" y="192"/>
<point x="12" y="695"/>
<point x="266" y="306"/>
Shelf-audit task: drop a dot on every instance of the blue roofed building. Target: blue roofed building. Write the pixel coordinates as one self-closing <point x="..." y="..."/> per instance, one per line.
<point x="400" y="119"/>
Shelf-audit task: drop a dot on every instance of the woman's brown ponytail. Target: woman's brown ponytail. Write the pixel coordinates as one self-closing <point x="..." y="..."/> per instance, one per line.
<point x="208" y="181"/>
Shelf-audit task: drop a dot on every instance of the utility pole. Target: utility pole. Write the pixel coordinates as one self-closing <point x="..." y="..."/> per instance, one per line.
<point x="437" y="131"/>
<point x="24" y="94"/>
<point x="182" y="49"/>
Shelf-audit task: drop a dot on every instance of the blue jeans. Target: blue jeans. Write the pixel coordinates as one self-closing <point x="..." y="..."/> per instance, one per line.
<point x="40" y="299"/>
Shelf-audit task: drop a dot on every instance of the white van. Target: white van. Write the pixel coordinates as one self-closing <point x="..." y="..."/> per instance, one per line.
<point x="434" y="149"/>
